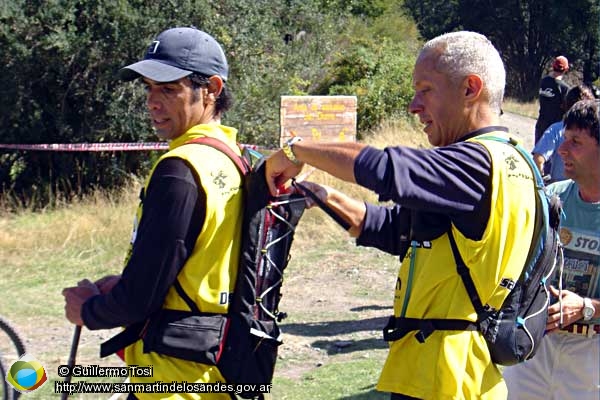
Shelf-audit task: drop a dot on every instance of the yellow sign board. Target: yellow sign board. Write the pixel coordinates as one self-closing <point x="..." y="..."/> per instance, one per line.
<point x="321" y="118"/>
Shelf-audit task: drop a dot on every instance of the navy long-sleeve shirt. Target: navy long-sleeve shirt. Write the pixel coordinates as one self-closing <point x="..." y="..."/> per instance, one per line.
<point x="430" y="189"/>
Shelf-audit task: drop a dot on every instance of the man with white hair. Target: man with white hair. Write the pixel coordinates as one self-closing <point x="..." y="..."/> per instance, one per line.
<point x="472" y="188"/>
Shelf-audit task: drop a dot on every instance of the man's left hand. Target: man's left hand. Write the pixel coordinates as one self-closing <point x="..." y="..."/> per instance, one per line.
<point x="75" y="297"/>
<point x="571" y="303"/>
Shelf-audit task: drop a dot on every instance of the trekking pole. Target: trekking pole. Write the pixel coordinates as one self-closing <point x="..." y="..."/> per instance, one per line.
<point x="72" y="355"/>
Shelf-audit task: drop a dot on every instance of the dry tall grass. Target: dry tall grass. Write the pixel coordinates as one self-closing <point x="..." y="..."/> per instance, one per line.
<point x="74" y="231"/>
<point x="78" y="232"/>
<point x="53" y="247"/>
<point x="528" y="109"/>
<point x="92" y="234"/>
<point x="45" y="251"/>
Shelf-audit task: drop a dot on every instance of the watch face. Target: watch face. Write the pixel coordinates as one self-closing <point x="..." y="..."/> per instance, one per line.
<point x="588" y="309"/>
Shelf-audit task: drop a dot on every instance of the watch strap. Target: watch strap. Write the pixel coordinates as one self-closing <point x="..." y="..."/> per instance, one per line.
<point x="288" y="151"/>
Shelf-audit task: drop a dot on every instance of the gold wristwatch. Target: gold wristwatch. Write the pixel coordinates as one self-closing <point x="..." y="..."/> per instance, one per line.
<point x="288" y="151"/>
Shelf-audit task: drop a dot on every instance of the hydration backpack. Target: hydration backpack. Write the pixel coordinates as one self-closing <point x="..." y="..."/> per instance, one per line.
<point x="253" y="337"/>
<point x="243" y="343"/>
<point x="514" y="331"/>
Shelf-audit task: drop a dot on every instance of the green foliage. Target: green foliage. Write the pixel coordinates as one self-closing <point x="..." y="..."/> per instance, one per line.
<point x="60" y="58"/>
<point x="375" y="65"/>
<point x="381" y="79"/>
<point x="275" y="49"/>
<point x="57" y="87"/>
<point x="528" y="33"/>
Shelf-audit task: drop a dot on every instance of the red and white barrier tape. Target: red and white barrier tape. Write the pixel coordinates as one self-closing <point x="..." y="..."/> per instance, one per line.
<point x="99" y="146"/>
<point x="88" y="146"/>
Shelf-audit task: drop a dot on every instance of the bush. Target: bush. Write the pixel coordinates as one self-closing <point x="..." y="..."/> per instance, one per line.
<point x="379" y="73"/>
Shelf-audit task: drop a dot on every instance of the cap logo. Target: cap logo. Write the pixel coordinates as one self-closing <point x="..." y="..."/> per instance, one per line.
<point x="154" y="47"/>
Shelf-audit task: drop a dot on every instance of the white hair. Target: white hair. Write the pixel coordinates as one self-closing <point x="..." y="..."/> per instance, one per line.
<point x="466" y="53"/>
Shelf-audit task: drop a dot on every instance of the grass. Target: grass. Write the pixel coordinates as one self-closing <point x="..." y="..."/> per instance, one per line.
<point x="45" y="251"/>
<point x="526" y="109"/>
<point x="343" y="381"/>
<point x="336" y="294"/>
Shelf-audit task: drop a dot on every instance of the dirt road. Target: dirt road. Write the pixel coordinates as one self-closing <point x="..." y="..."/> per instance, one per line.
<point x="524" y="127"/>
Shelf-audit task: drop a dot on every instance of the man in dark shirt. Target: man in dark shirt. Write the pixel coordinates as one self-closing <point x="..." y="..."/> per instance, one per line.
<point x="480" y="189"/>
<point x="187" y="230"/>
<point x="552" y="95"/>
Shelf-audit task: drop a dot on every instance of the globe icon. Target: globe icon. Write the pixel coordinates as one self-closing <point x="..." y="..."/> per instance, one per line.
<point x="26" y="374"/>
<point x="26" y="377"/>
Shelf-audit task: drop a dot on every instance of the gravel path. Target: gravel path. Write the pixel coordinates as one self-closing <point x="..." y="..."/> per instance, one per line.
<point x="523" y="127"/>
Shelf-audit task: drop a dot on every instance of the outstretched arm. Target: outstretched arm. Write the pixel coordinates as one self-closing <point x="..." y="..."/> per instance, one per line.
<point x="350" y="210"/>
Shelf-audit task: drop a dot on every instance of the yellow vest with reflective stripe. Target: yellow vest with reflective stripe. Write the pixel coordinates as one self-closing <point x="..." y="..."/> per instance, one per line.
<point x="208" y="276"/>
<point x="456" y="364"/>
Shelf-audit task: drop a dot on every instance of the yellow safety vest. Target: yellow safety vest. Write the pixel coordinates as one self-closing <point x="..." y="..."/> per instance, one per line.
<point x="456" y="364"/>
<point x="208" y="276"/>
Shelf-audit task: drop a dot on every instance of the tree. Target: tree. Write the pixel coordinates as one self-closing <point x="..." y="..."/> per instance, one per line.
<point x="528" y="33"/>
<point x="379" y="72"/>
<point x="58" y="84"/>
<point x="374" y="60"/>
<point x="60" y="58"/>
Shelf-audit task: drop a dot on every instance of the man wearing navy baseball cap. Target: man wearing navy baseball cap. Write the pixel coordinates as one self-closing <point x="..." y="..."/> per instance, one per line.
<point x="178" y="52"/>
<point x="186" y="238"/>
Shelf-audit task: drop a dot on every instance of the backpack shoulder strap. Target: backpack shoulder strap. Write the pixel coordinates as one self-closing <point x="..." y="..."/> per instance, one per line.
<point x="398" y="327"/>
<point x="132" y="333"/>
<point x="243" y="167"/>
<point x="190" y="303"/>
<point x="542" y="219"/>
<point x="464" y="273"/>
<point x="511" y="141"/>
<point x="241" y="163"/>
<point x="345" y="225"/>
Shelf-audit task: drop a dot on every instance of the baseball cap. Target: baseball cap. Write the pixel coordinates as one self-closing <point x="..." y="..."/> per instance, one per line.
<point x="560" y="64"/>
<point x="179" y="52"/>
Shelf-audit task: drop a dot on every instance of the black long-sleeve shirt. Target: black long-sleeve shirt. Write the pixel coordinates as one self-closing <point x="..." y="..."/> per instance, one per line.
<point x="174" y="207"/>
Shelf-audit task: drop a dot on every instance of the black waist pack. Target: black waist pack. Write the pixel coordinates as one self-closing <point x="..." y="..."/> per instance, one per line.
<point x="186" y="335"/>
<point x="244" y="352"/>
